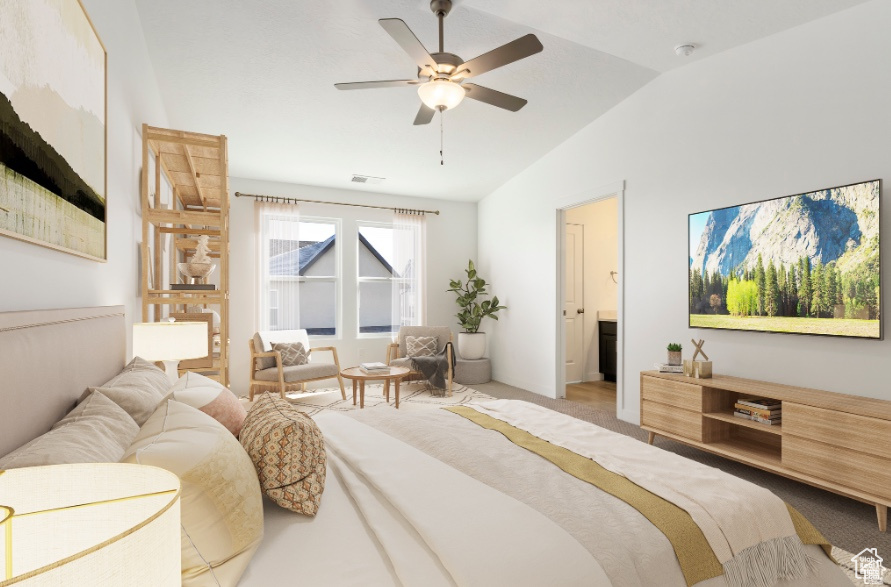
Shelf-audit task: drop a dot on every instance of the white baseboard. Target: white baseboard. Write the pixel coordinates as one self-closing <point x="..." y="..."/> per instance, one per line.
<point x="524" y="384"/>
<point x="594" y="377"/>
<point x="629" y="416"/>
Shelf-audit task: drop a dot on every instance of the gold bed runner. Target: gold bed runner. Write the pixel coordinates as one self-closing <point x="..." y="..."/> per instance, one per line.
<point x="698" y="561"/>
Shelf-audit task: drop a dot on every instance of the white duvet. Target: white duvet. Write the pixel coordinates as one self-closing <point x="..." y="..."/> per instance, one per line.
<point x="439" y="526"/>
<point x="393" y="515"/>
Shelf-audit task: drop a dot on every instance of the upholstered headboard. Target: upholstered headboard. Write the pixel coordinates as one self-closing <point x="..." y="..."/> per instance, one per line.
<point x="47" y="359"/>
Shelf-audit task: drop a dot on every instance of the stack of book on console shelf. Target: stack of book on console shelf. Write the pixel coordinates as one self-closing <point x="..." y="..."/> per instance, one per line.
<point x="666" y="368"/>
<point x="374" y="368"/>
<point x="764" y="411"/>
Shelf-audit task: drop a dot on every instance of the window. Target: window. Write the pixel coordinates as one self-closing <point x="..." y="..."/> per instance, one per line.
<point x="300" y="286"/>
<point x="376" y="278"/>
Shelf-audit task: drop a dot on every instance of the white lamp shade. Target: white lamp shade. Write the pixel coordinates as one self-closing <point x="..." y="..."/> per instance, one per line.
<point x="170" y="341"/>
<point x="90" y="524"/>
<point x="441" y="92"/>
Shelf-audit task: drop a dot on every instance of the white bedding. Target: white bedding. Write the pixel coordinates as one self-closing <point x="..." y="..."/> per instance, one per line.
<point x="338" y="546"/>
<point x="334" y="548"/>
<point x="432" y="525"/>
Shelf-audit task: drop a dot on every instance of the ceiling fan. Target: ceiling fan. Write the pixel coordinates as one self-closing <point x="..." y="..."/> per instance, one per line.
<point x="441" y="76"/>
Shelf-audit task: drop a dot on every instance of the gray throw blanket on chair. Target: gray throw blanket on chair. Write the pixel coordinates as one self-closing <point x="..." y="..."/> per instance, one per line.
<point x="435" y="370"/>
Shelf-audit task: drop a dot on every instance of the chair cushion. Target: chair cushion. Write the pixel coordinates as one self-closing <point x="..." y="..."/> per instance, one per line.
<point x="262" y="362"/>
<point x="420" y="346"/>
<point x="442" y="333"/>
<point x="264" y="340"/>
<point x="288" y="452"/>
<point x="293" y="353"/>
<point x="299" y="372"/>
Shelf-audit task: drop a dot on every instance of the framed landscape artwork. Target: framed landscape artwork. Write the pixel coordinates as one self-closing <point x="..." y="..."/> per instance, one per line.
<point x="804" y="264"/>
<point x="52" y="127"/>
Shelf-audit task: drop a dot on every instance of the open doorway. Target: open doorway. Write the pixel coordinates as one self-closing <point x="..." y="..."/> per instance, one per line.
<point x="589" y="293"/>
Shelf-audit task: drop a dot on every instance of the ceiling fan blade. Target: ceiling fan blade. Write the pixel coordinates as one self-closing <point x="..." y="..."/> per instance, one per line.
<point x="400" y="32"/>
<point x="493" y="97"/>
<point x="425" y="115"/>
<point x="507" y="53"/>
<point x="389" y="83"/>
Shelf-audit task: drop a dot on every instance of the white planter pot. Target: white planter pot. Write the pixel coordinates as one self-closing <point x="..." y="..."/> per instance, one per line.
<point x="471" y="345"/>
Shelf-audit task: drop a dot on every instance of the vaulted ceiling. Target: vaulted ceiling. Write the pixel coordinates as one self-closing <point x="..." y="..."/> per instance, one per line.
<point x="262" y="72"/>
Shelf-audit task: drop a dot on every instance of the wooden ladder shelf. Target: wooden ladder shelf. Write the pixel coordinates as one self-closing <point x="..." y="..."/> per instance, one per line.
<point x="194" y="169"/>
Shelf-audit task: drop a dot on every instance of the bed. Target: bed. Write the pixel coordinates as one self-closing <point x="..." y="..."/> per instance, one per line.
<point x="423" y="498"/>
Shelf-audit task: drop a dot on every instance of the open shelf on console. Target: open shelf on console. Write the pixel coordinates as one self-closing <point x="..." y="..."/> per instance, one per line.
<point x="730" y="418"/>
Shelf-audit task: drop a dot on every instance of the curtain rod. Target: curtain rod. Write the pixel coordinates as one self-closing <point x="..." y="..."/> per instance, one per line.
<point x="295" y="200"/>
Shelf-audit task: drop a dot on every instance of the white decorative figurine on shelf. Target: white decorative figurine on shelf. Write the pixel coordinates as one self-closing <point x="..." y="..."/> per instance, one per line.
<point x="199" y="267"/>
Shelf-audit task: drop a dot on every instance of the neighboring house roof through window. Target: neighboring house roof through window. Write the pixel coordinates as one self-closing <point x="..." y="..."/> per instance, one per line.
<point x="296" y="262"/>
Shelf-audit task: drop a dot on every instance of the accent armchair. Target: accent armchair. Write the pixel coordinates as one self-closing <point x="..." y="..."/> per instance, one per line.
<point x="269" y="373"/>
<point x="397" y="355"/>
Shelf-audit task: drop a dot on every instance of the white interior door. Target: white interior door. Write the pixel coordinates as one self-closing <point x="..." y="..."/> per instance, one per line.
<point x="574" y="306"/>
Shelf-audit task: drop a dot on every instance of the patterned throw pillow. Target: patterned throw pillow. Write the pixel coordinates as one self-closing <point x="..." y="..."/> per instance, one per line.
<point x="293" y="353"/>
<point x="288" y="452"/>
<point x="420" y="346"/>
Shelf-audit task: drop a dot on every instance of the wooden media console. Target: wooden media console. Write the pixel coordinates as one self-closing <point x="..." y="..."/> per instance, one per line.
<point x="834" y="441"/>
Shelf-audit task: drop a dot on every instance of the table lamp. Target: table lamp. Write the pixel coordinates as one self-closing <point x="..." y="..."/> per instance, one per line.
<point x="90" y="524"/>
<point x="170" y="342"/>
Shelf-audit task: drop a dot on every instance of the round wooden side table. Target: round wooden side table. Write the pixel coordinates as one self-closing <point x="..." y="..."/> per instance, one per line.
<point x="359" y="376"/>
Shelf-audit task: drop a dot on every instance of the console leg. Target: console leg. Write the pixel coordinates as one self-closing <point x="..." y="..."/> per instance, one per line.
<point x="882" y="514"/>
<point x="651" y="437"/>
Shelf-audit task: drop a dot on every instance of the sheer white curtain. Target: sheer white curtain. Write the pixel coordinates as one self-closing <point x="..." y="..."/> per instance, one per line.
<point x="409" y="301"/>
<point x="278" y="266"/>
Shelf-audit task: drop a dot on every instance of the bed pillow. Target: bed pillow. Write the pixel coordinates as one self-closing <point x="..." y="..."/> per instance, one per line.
<point x="137" y="389"/>
<point x="293" y="353"/>
<point x="211" y="397"/>
<point x="420" y="346"/>
<point x="288" y="452"/>
<point x="222" y="507"/>
<point x="95" y="431"/>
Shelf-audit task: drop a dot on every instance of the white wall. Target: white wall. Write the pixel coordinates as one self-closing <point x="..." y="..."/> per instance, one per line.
<point x="451" y="241"/>
<point x="797" y="111"/>
<point x="34" y="277"/>
<point x="601" y="254"/>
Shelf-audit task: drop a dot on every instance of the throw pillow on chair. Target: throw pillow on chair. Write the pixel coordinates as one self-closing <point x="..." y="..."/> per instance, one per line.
<point x="293" y="353"/>
<point x="420" y="346"/>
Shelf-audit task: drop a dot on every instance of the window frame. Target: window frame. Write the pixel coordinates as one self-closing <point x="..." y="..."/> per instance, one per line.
<point x="360" y="280"/>
<point x="337" y="279"/>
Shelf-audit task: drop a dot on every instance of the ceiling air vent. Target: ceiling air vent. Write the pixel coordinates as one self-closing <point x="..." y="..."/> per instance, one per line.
<point x="366" y="179"/>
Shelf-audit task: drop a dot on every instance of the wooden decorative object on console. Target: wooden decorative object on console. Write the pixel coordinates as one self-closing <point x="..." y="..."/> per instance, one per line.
<point x="833" y="441"/>
<point x="700" y="369"/>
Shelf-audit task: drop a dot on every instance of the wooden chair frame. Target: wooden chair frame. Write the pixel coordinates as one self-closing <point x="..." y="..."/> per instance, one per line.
<point x="393" y="353"/>
<point x="285" y="386"/>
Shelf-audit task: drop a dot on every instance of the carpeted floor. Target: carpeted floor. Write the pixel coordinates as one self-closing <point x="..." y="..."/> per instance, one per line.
<point x="848" y="524"/>
<point x="412" y="396"/>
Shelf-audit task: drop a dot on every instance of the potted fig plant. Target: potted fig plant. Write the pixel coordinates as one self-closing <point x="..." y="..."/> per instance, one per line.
<point x="470" y="298"/>
<point x="674" y="353"/>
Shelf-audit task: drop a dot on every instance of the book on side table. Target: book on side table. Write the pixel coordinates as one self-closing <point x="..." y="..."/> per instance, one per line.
<point x="376" y="368"/>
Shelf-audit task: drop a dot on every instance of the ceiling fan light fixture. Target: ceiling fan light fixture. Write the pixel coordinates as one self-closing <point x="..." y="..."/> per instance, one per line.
<point x="441" y="93"/>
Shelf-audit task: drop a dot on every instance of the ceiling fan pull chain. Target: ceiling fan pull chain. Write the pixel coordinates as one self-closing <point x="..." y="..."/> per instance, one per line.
<point x="441" y="158"/>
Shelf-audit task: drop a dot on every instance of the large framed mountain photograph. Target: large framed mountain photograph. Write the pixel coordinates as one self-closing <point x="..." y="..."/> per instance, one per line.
<point x="52" y="127"/>
<point x="802" y="264"/>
